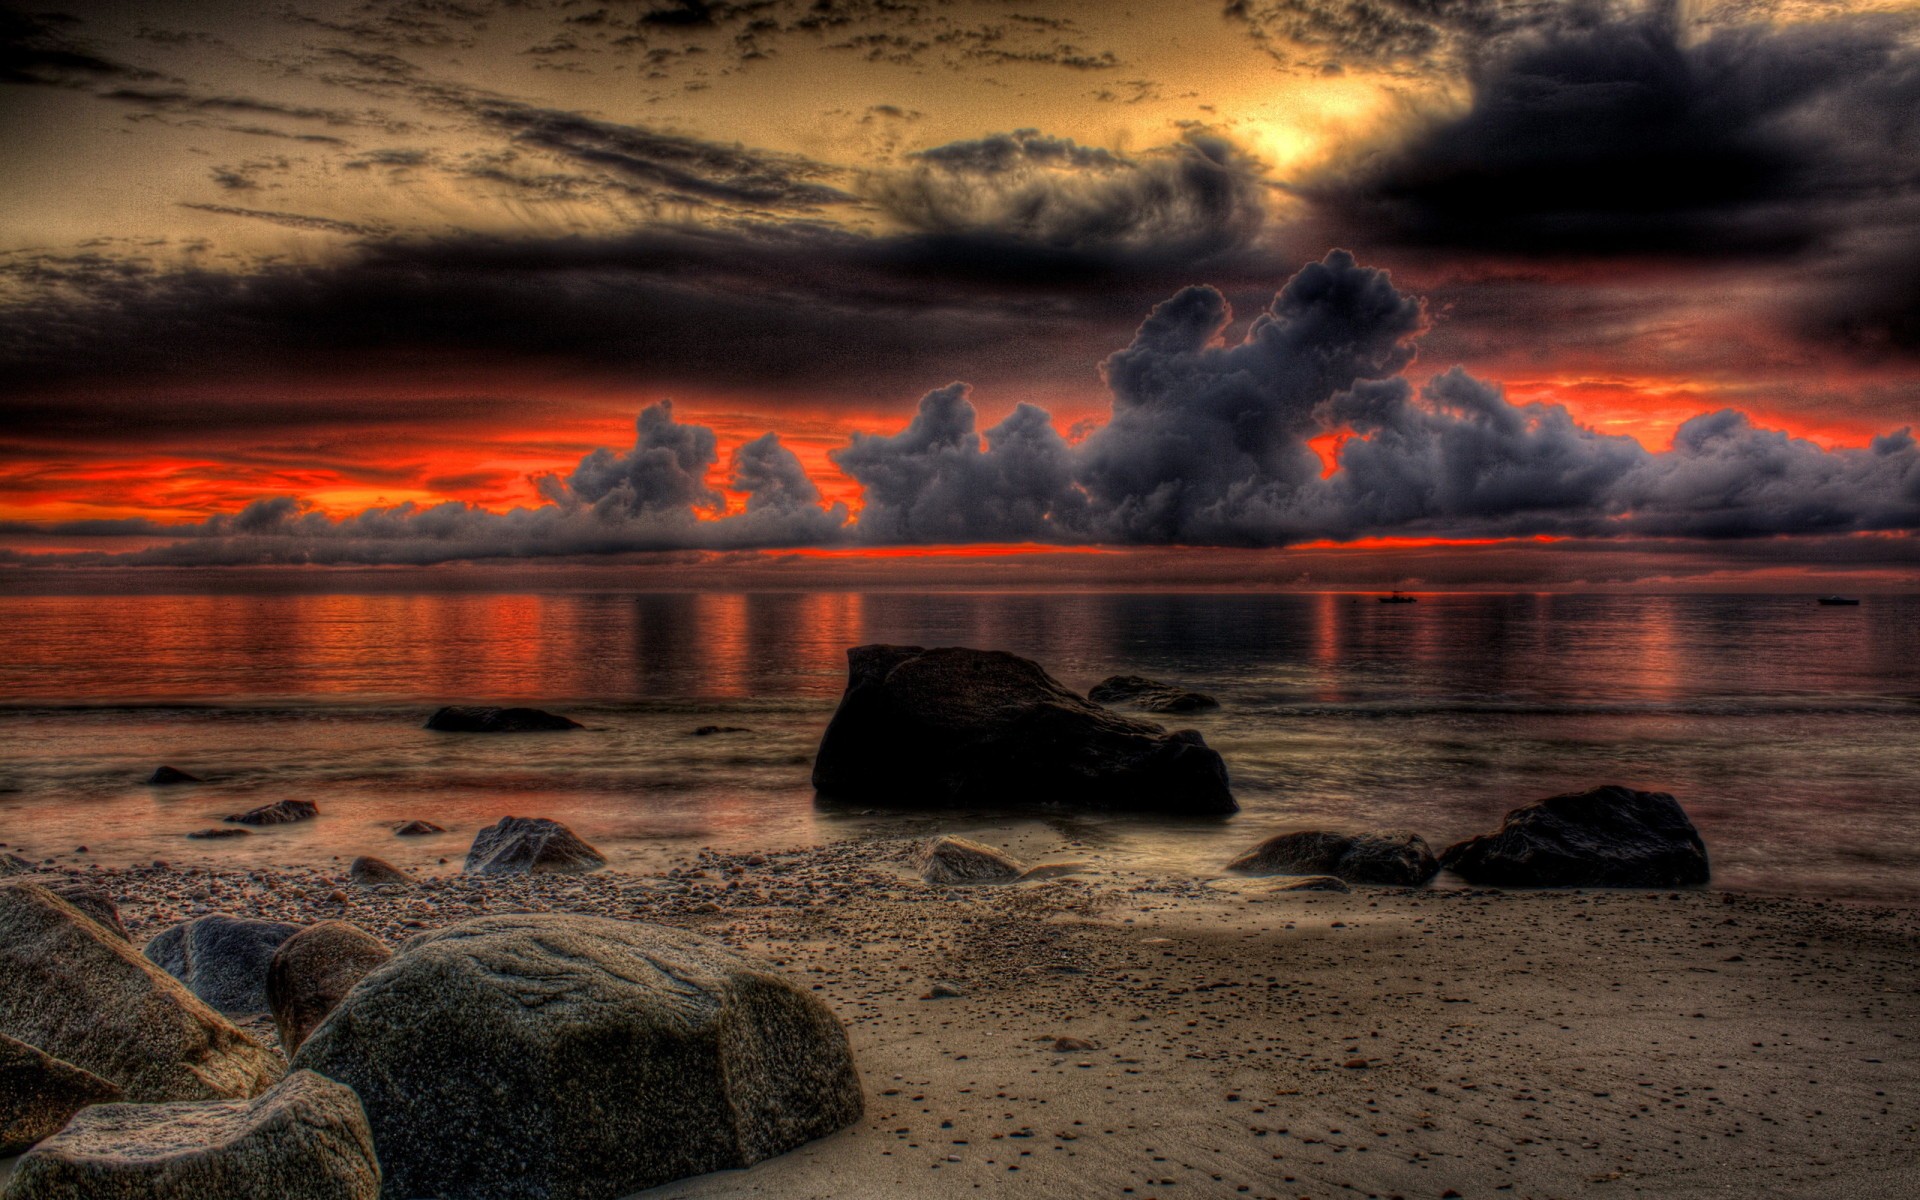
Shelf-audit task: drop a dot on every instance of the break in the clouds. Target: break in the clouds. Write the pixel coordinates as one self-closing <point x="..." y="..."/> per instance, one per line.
<point x="1207" y="444"/>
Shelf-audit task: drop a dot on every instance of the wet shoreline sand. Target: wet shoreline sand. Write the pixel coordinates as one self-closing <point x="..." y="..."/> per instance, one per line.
<point x="1228" y="1040"/>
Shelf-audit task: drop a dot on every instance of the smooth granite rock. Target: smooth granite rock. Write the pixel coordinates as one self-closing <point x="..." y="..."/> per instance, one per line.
<point x="1607" y="837"/>
<point x="313" y="970"/>
<point x="81" y="994"/>
<point x="1395" y="857"/>
<point x="223" y="960"/>
<point x="654" y="1054"/>
<point x="1150" y="694"/>
<point x="368" y="871"/>
<point x="463" y="718"/>
<point x="40" y="1093"/>
<point x="951" y="859"/>
<point x="280" y="812"/>
<point x="306" y="1139"/>
<point x="981" y="728"/>
<point x="523" y="845"/>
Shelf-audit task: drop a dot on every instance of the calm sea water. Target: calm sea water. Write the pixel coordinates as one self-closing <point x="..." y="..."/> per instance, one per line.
<point x="1790" y="732"/>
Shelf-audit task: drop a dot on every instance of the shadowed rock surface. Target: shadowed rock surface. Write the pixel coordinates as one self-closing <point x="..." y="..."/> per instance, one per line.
<point x="169" y="776"/>
<point x="40" y="1093"/>
<point x="13" y="864"/>
<point x="957" y="727"/>
<point x="1395" y="858"/>
<point x="368" y="871"/>
<point x="81" y="994"/>
<point x="223" y="960"/>
<point x="656" y="1054"/>
<point x="280" y="812"/>
<point x="463" y="718"/>
<point x="959" y="860"/>
<point x="418" y="829"/>
<point x="1150" y="694"/>
<point x="1608" y="837"/>
<point x="312" y="970"/>
<point x="515" y="845"/>
<point x="92" y="901"/>
<point x="306" y="1139"/>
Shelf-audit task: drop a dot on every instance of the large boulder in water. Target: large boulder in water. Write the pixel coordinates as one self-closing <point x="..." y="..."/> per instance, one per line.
<point x="1607" y="837"/>
<point x="313" y="971"/>
<point x="958" y="860"/>
<point x="223" y="960"/>
<point x="523" y="845"/>
<point x="164" y="776"/>
<point x="957" y="727"/>
<point x="580" y="1058"/>
<point x="465" y="718"/>
<point x="306" y="1139"/>
<point x="81" y="994"/>
<point x="280" y="812"/>
<point x="1394" y="857"/>
<point x="40" y="1093"/>
<point x="1150" y="694"/>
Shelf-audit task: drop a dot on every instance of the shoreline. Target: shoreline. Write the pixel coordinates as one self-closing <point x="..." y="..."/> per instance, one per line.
<point x="1234" y="1041"/>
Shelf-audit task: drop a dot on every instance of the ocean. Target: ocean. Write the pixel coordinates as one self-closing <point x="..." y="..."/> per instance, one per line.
<point x="1789" y="731"/>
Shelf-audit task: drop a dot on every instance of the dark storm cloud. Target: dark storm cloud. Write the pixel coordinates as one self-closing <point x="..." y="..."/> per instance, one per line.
<point x="1207" y="445"/>
<point x="1428" y="33"/>
<point x="46" y="49"/>
<point x="1619" y="137"/>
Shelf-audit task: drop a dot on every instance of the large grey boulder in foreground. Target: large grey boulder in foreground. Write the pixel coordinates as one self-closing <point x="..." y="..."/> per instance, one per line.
<point x="1394" y="857"/>
<point x="313" y="970"/>
<point x="40" y="1093"/>
<point x="523" y="845"/>
<point x="1607" y="837"/>
<point x="465" y="718"/>
<point x="958" y="860"/>
<point x="306" y="1139"/>
<point x="81" y="994"/>
<point x="223" y="960"/>
<point x="981" y="728"/>
<point x="580" y="1058"/>
<point x="1150" y="694"/>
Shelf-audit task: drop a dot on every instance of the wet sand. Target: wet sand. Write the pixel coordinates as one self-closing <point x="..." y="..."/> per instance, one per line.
<point x="1226" y="1040"/>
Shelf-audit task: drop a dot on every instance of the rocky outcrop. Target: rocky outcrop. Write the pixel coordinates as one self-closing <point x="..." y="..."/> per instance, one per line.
<point x="530" y="845"/>
<point x="13" y="864"/>
<point x="1606" y="837"/>
<point x="462" y="718"/>
<point x="306" y="1139"/>
<point x="1150" y="694"/>
<point x="418" y="829"/>
<point x="982" y="728"/>
<point x="40" y="1093"/>
<point x="280" y="812"/>
<point x="81" y="994"/>
<point x="223" y="960"/>
<point x="654" y="1053"/>
<point x="92" y="901"/>
<point x="169" y="777"/>
<point x="367" y="871"/>
<point x="949" y="860"/>
<point x="313" y="970"/>
<point x="1395" y="858"/>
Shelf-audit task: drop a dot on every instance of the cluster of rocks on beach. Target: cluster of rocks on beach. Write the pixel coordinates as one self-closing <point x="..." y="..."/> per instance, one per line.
<point x="536" y="1025"/>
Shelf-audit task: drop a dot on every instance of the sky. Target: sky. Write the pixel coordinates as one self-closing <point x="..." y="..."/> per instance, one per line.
<point x="1264" y="292"/>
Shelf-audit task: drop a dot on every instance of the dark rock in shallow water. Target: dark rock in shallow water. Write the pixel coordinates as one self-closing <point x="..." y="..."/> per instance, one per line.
<point x="581" y="1058"/>
<point x="462" y="718"/>
<point x="306" y="1139"/>
<point x="40" y="1093"/>
<point x="523" y="845"/>
<point x="168" y="776"/>
<point x="1607" y="837"/>
<point x="1149" y="694"/>
<point x="280" y="812"/>
<point x="367" y="871"/>
<point x="223" y="960"/>
<point x="710" y="730"/>
<point x="211" y="834"/>
<point x="418" y="829"/>
<point x="955" y="727"/>
<point x="958" y="860"/>
<point x="313" y="970"/>
<point x="81" y="994"/>
<point x="1394" y="857"/>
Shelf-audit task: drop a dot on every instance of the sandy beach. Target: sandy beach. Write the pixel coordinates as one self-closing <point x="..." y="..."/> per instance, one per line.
<point x="1126" y="1036"/>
